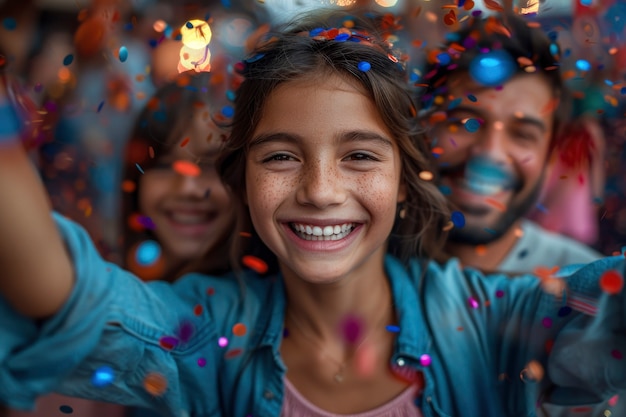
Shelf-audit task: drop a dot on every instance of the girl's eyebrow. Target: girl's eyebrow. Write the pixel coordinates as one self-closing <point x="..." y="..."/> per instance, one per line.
<point x="347" y="136"/>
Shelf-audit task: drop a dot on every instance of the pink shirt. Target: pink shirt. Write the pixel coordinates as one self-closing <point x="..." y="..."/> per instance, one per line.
<point x="295" y="405"/>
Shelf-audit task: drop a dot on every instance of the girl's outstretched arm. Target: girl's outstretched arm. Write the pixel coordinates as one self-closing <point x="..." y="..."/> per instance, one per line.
<point x="37" y="275"/>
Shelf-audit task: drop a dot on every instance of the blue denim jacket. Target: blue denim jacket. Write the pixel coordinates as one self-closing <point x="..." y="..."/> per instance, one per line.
<point x="480" y="334"/>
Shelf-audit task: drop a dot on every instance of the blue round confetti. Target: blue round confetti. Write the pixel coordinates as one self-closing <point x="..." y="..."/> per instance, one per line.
<point x="148" y="252"/>
<point x="492" y="68"/>
<point x="68" y="60"/>
<point x="123" y="54"/>
<point x="66" y="409"/>
<point x="458" y="219"/>
<point x="583" y="65"/>
<point x="102" y="377"/>
<point x="189" y="25"/>
<point x="364" y="66"/>
<point x="445" y="190"/>
<point x="228" y="111"/>
<point x="472" y="125"/>
<point x="444" y="58"/>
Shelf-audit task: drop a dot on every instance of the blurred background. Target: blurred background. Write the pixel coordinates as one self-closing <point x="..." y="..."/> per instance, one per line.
<point x="89" y="66"/>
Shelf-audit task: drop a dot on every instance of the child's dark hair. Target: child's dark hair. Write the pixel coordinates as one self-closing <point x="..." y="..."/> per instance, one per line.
<point x="524" y="41"/>
<point x="157" y="129"/>
<point x="324" y="44"/>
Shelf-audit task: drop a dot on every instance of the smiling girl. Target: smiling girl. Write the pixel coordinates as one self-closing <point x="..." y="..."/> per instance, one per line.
<point x="325" y="167"/>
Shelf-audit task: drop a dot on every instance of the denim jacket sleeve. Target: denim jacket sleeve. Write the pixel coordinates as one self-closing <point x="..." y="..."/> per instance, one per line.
<point x="111" y="321"/>
<point x="509" y="342"/>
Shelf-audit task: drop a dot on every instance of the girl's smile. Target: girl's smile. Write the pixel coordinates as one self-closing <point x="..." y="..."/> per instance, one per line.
<point x="323" y="188"/>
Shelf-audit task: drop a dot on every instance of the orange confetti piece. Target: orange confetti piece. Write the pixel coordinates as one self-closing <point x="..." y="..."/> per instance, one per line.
<point x="240" y="329"/>
<point x="186" y="168"/>
<point x="437" y="150"/>
<point x="153" y="104"/>
<point x="245" y="234"/>
<point x="611" y="282"/>
<point x="437" y="117"/>
<point x="184" y="142"/>
<point x="155" y="384"/>
<point x="254" y="263"/>
<point x="496" y="204"/>
<point x="469" y="5"/>
<point x="543" y="272"/>
<point x="128" y="186"/>
<point x="481" y="250"/>
<point x="524" y="62"/>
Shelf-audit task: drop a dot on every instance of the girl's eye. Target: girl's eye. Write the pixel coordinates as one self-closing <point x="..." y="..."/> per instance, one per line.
<point x="361" y="156"/>
<point x="278" y="157"/>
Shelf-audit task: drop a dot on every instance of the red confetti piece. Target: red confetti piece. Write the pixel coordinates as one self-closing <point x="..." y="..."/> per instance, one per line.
<point x="254" y="263"/>
<point x="197" y="310"/>
<point x="240" y="329"/>
<point x="449" y="18"/>
<point x="496" y="204"/>
<point x="611" y="282"/>
<point x="233" y="353"/>
<point x="186" y="168"/>
<point x="184" y="142"/>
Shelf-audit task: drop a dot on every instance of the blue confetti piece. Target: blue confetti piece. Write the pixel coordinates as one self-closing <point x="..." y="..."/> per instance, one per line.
<point x="492" y="68"/>
<point x="458" y="219"/>
<point x="139" y="168"/>
<point x="564" y="311"/>
<point x="583" y="65"/>
<point x="228" y="111"/>
<point x="148" y="252"/>
<point x="102" y="377"/>
<point x="443" y="58"/>
<point x="66" y="409"/>
<point x="100" y="107"/>
<point x="523" y="254"/>
<point x="454" y="103"/>
<point x="365" y="66"/>
<point x="472" y="125"/>
<point x="542" y="208"/>
<point x="68" y="60"/>
<point x="472" y="98"/>
<point x="123" y="54"/>
<point x="189" y="25"/>
<point x="490" y="231"/>
<point x="392" y="328"/>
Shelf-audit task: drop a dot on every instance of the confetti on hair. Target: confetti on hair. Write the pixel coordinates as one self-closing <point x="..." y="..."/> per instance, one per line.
<point x="458" y="219"/>
<point x="364" y="66"/>
<point x="139" y="168"/>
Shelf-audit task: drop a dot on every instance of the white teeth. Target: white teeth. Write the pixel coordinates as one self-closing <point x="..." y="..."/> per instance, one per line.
<point x="335" y="232"/>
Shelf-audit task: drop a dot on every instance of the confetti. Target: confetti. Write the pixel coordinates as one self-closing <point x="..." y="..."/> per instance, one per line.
<point x="201" y="362"/>
<point x="68" y="60"/>
<point x="186" y="168"/>
<point x="472" y="302"/>
<point x="254" y="263"/>
<point x="364" y="66"/>
<point x="66" y="409"/>
<point x="240" y="329"/>
<point x="148" y="252"/>
<point x="102" y="377"/>
<point x="458" y="219"/>
<point x="197" y="310"/>
<point x="611" y="282"/>
<point x="425" y="360"/>
<point x="9" y="23"/>
<point x="222" y="342"/>
<point x="392" y="328"/>
<point x="168" y="342"/>
<point x="123" y="54"/>
<point x="472" y="125"/>
<point x="492" y="68"/>
<point x="155" y="384"/>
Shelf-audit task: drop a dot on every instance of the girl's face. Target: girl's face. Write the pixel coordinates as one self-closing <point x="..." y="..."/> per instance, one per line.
<point x="323" y="180"/>
<point x="192" y="214"/>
